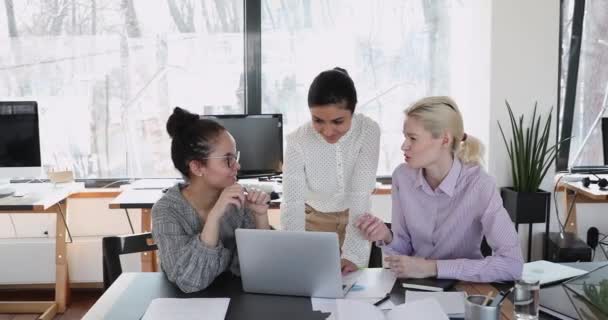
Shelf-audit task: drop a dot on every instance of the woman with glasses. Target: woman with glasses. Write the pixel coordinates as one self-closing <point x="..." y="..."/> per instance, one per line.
<point x="194" y="222"/>
<point x="444" y="203"/>
<point x="330" y="167"/>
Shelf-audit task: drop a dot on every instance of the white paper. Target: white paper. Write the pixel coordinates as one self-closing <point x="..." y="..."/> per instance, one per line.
<point x="187" y="309"/>
<point x="451" y="303"/>
<point x="428" y="309"/>
<point x="357" y="310"/>
<point x="548" y="272"/>
<point x="372" y="283"/>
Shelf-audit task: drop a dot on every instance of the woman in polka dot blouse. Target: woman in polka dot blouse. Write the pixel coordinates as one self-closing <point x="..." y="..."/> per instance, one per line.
<point x="330" y="167"/>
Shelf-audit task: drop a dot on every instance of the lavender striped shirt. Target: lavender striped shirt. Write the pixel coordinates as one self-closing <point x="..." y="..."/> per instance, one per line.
<point x="447" y="224"/>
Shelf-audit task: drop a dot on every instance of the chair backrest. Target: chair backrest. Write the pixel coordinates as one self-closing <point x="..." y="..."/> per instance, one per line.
<point x="114" y="246"/>
<point x="375" y="255"/>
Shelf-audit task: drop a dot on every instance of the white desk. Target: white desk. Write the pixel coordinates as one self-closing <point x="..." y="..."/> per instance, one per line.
<point x="44" y="198"/>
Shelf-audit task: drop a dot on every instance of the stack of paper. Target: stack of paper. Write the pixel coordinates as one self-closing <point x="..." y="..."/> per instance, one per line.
<point x="549" y="272"/>
<point x="452" y="303"/>
<point x="427" y="309"/>
<point x="187" y="309"/>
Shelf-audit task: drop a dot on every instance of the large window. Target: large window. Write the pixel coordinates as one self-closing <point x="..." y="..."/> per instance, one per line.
<point x="396" y="52"/>
<point x="583" y="78"/>
<point x="107" y="73"/>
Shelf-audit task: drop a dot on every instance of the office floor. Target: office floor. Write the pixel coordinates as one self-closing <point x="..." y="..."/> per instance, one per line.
<point x="82" y="300"/>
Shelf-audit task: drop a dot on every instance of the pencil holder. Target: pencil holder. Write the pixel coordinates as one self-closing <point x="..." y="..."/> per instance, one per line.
<point x="474" y="310"/>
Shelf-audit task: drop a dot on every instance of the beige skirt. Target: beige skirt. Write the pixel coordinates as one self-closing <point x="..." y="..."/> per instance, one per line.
<point x="327" y="222"/>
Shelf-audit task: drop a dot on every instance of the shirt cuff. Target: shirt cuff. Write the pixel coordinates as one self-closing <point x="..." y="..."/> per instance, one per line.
<point x="448" y="269"/>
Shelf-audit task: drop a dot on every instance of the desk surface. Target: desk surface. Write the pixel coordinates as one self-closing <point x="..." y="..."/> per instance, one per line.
<point x="130" y="295"/>
<point x="136" y="199"/>
<point x="38" y="196"/>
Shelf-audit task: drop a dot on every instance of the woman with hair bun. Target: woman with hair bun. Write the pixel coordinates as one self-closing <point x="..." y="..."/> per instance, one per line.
<point x="194" y="222"/>
<point x="444" y="203"/>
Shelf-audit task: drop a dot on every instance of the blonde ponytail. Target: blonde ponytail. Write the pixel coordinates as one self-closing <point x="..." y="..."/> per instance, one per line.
<point x="470" y="151"/>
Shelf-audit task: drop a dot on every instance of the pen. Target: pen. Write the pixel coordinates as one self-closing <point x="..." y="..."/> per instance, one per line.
<point x="379" y="302"/>
<point x="488" y="297"/>
<point x="504" y="295"/>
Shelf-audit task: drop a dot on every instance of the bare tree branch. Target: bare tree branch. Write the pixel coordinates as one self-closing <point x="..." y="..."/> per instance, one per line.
<point x="10" y="14"/>
<point x="131" y="22"/>
<point x="183" y="24"/>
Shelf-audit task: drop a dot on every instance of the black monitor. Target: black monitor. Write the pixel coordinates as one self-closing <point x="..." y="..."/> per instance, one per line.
<point x="259" y="139"/>
<point x="19" y="140"/>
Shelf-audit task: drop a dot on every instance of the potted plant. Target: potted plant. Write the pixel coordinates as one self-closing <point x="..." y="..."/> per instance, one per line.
<point x="531" y="155"/>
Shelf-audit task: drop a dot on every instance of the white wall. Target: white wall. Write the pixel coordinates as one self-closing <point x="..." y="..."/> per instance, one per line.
<point x="524" y="60"/>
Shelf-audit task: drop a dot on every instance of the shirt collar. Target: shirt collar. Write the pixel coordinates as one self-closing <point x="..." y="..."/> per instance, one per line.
<point x="449" y="182"/>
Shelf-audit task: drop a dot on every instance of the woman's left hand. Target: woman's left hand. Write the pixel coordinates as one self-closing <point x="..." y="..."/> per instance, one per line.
<point x="347" y="266"/>
<point x="411" y="267"/>
<point x="257" y="201"/>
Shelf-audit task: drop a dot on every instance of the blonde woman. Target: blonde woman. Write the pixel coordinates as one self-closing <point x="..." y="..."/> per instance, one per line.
<point x="444" y="203"/>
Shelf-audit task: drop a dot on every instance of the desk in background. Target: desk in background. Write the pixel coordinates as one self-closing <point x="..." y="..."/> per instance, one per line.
<point x="140" y="199"/>
<point x="44" y="198"/>
<point x="576" y="193"/>
<point x="130" y="295"/>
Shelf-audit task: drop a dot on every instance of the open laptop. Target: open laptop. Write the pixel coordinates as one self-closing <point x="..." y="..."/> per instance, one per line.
<point x="291" y="263"/>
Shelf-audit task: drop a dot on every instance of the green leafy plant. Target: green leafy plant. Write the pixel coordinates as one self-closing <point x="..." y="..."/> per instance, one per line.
<point x="529" y="150"/>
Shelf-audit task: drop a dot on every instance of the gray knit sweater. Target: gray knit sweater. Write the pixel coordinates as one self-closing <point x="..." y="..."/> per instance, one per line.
<point x="189" y="263"/>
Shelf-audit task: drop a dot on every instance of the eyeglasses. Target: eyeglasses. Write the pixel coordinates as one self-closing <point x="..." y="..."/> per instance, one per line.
<point x="231" y="159"/>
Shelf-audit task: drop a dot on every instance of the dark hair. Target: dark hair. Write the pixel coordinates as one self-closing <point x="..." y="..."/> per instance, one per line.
<point x="333" y="86"/>
<point x="192" y="138"/>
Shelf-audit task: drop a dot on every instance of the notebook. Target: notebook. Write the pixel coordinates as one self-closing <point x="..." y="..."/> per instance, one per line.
<point x="452" y="303"/>
<point x="549" y="272"/>
<point x="428" y="284"/>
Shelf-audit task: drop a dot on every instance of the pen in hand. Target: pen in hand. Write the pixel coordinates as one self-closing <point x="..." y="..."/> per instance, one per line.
<point x="379" y="302"/>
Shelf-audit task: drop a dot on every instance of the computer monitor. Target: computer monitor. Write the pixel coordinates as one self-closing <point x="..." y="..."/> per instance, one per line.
<point x="605" y="139"/>
<point x="19" y="140"/>
<point x="259" y="138"/>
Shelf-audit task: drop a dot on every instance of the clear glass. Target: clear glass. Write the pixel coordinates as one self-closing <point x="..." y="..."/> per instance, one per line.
<point x="108" y="73"/>
<point x="526" y="299"/>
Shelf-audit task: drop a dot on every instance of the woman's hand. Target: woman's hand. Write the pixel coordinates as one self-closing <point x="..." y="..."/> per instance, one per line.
<point x="257" y="201"/>
<point x="373" y="228"/>
<point x="347" y="266"/>
<point x="411" y="267"/>
<point x="230" y="195"/>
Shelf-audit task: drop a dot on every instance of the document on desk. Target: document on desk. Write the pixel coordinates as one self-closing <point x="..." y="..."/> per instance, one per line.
<point x="371" y="283"/>
<point x="427" y="309"/>
<point x="452" y="302"/>
<point x="548" y="272"/>
<point x="187" y="309"/>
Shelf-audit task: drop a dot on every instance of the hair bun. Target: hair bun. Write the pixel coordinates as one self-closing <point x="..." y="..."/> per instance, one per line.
<point x="341" y="70"/>
<point x="179" y="121"/>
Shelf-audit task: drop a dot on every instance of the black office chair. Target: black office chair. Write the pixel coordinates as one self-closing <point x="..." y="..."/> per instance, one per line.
<point x="375" y="255"/>
<point x="485" y="248"/>
<point x="114" y="246"/>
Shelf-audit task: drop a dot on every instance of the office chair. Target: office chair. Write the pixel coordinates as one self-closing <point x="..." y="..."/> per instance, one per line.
<point x="375" y="255"/>
<point x="115" y="246"/>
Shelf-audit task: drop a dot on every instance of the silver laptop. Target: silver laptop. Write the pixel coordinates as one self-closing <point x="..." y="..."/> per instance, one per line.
<point x="291" y="263"/>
